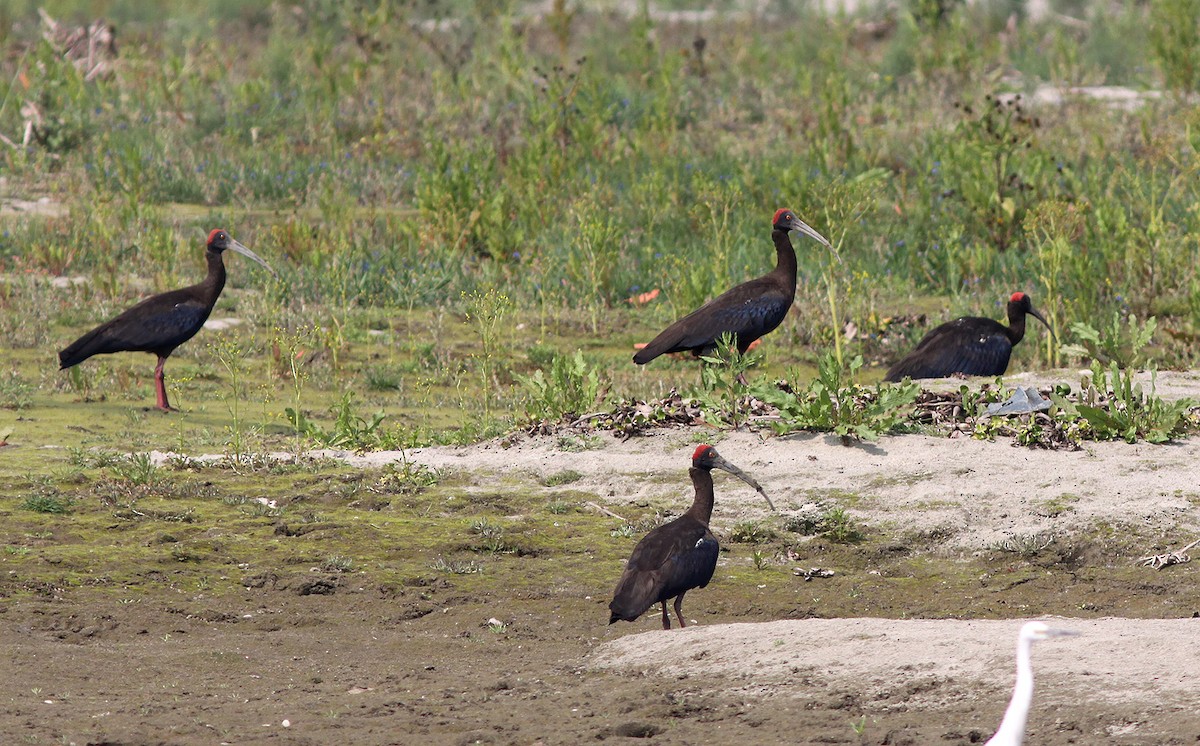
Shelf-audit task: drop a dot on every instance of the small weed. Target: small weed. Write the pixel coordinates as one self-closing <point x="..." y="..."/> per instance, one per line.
<point x="1056" y="506"/>
<point x="566" y="476"/>
<point x="138" y="469"/>
<point x="579" y="443"/>
<point x="559" y="507"/>
<point x="760" y="559"/>
<point x="859" y="726"/>
<point x="407" y="478"/>
<point x="492" y="537"/>
<point x="337" y="563"/>
<point x="47" y="503"/>
<point x="349" y="429"/>
<point x="94" y="459"/>
<point x="1024" y="545"/>
<point x="751" y="532"/>
<point x="234" y="358"/>
<point x="840" y="528"/>
<point x="623" y="531"/>
<point x="809" y="521"/>
<point x="456" y="567"/>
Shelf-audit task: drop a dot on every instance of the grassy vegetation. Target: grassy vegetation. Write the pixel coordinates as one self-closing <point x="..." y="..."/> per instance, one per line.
<point x="464" y="202"/>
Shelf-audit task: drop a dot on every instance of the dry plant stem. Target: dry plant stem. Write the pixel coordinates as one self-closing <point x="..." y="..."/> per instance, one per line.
<point x="1159" y="561"/>
<point x="604" y="510"/>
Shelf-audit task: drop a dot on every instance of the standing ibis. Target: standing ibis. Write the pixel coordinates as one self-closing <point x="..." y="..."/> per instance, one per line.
<point x="1012" y="728"/>
<point x="677" y="556"/>
<point x="748" y="311"/>
<point x="971" y="346"/>
<point x="162" y="322"/>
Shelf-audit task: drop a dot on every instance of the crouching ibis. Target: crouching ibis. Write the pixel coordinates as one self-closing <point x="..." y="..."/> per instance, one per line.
<point x="677" y="556"/>
<point x="748" y="311"/>
<point x="970" y="346"/>
<point x="162" y="322"/>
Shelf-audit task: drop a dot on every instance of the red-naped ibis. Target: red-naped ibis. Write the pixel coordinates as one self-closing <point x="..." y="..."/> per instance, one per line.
<point x="677" y="556"/>
<point x="162" y="322"/>
<point x="1012" y="727"/>
<point x="748" y="311"/>
<point x="971" y="346"/>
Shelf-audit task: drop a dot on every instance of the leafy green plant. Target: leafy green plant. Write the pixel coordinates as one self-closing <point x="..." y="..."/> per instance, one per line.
<point x="832" y="402"/>
<point x="760" y="559"/>
<point x="492" y="538"/>
<point x="723" y="382"/>
<point x="138" y="469"/>
<point x="1119" y="342"/>
<point x="559" y="507"/>
<point x="572" y="388"/>
<point x="349" y="430"/>
<point x="1116" y="407"/>
<point x="840" y="527"/>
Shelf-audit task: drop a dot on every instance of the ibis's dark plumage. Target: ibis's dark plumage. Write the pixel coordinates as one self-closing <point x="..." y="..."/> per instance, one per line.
<point x="971" y="346"/>
<point x="162" y="322"/>
<point x="747" y="311"/>
<point x="677" y="556"/>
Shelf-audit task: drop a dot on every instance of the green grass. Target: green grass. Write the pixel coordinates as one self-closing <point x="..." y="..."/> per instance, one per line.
<point x="453" y="214"/>
<point x="383" y="165"/>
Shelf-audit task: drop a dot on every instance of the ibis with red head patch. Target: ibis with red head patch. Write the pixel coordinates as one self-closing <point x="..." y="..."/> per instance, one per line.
<point x="677" y="556"/>
<point x="970" y="346"/>
<point x="747" y="311"/>
<point x="162" y="322"/>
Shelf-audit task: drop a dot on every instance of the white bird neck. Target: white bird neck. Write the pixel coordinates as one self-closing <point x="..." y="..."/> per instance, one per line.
<point x="1012" y="727"/>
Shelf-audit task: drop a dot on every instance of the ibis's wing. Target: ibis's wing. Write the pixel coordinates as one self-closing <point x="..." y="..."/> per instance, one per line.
<point x="972" y="349"/>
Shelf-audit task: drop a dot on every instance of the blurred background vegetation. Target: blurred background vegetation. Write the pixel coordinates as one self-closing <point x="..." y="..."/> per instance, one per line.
<point x="463" y="191"/>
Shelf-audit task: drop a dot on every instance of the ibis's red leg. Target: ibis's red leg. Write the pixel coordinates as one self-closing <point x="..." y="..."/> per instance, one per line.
<point x="160" y="387"/>
<point x="678" y="609"/>
<point x="666" y="619"/>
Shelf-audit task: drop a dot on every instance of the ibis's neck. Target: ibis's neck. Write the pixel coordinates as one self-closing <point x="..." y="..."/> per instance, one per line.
<point x="1012" y="727"/>
<point x="214" y="282"/>
<point x="785" y="258"/>
<point x="702" y="506"/>
<point x="1016" y="322"/>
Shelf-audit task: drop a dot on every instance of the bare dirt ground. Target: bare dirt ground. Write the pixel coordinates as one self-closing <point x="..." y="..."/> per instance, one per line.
<point x="1004" y="534"/>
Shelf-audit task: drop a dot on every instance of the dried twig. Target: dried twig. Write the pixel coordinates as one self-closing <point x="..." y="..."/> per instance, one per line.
<point x="603" y="510"/>
<point x="1159" y="561"/>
